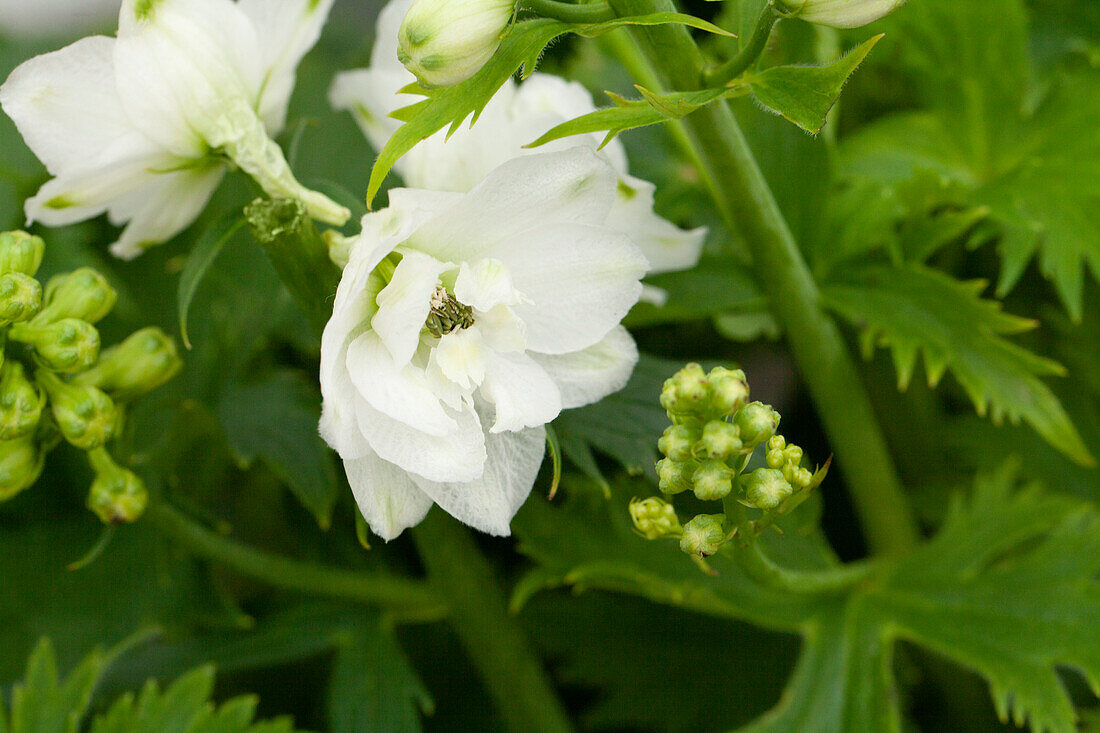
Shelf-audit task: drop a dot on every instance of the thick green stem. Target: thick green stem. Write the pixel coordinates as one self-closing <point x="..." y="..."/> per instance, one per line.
<point x="822" y="356"/>
<point x="511" y="672"/>
<point x="733" y="68"/>
<point x="596" y="12"/>
<point x="407" y="599"/>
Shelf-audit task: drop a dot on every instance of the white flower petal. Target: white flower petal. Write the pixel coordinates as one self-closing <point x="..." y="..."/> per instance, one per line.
<point x="371" y="95"/>
<point x="404" y="305"/>
<point x="81" y="193"/>
<point x="461" y="357"/>
<point x="489" y="503"/>
<point x="339" y="424"/>
<point x="485" y="285"/>
<point x="402" y="393"/>
<point x="458" y="456"/>
<point x="590" y="375"/>
<point x="580" y="281"/>
<point x="502" y="330"/>
<point x="522" y="393"/>
<point x="384" y="52"/>
<point x="164" y="209"/>
<point x="388" y="499"/>
<point x="536" y="192"/>
<point x="666" y="246"/>
<point x="287" y="30"/>
<point x="67" y="107"/>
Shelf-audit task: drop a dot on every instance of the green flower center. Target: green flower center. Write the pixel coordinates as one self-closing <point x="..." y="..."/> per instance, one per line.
<point x="447" y="314"/>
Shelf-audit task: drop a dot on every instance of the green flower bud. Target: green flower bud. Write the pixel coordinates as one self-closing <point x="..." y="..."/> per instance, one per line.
<point x="713" y="480"/>
<point x="654" y="518"/>
<point x="793" y="455"/>
<point x="677" y="442"/>
<point x="444" y="42"/>
<point x="730" y="390"/>
<point x="21" y="252"/>
<point x="67" y="346"/>
<point x="703" y="535"/>
<point x="675" y="476"/>
<point x="775" y="458"/>
<point x="720" y="440"/>
<point x="765" y="488"/>
<point x="85" y="415"/>
<point x="800" y="478"/>
<point x="83" y="294"/>
<point x="21" y="463"/>
<point x="20" y="298"/>
<point x="21" y="402"/>
<point x="838" y="13"/>
<point x="145" y="360"/>
<point x="777" y="442"/>
<point x="117" y="495"/>
<point x="757" y="422"/>
<point x="686" y="391"/>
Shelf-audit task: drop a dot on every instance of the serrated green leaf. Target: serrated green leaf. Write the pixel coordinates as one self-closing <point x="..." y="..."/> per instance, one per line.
<point x="207" y="248"/>
<point x="275" y="419"/>
<point x="450" y="106"/>
<point x="915" y="310"/>
<point x="42" y="702"/>
<point x="805" y="94"/>
<point x="373" y="685"/>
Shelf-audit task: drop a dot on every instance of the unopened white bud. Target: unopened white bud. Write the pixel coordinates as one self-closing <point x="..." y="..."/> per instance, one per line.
<point x="839" y="13"/>
<point x="444" y="42"/>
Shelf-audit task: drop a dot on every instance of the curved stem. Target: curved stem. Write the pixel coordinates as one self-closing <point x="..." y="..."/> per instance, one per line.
<point x="597" y="12"/>
<point x="818" y="347"/>
<point x="408" y="600"/>
<point x="496" y="645"/>
<point x="733" y="68"/>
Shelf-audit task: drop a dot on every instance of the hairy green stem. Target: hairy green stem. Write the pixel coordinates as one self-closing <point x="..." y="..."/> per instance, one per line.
<point x="597" y="12"/>
<point x="511" y="672"/>
<point x="408" y="600"/>
<point x="818" y="347"/>
<point x="740" y="63"/>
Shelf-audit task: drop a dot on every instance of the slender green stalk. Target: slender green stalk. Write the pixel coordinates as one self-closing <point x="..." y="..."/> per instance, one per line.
<point x="740" y="63"/>
<point x="511" y="672"/>
<point x="596" y="12"/>
<point x="409" y="600"/>
<point x="817" y="345"/>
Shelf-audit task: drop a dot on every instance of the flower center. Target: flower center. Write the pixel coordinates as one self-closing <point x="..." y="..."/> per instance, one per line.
<point x="447" y="314"/>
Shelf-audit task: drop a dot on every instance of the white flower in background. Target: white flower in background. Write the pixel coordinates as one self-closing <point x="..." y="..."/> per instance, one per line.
<point x="465" y="322"/>
<point x="54" y="18"/>
<point x="145" y="125"/>
<point x="517" y="115"/>
<point x="444" y="42"/>
<point x="839" y="13"/>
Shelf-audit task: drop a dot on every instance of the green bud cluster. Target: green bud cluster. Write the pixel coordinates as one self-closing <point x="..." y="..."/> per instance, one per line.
<point x="56" y="384"/>
<point x="714" y="432"/>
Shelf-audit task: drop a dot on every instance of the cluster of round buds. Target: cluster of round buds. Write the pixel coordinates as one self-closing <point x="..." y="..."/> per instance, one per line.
<point x="56" y="384"/>
<point x="714" y="432"/>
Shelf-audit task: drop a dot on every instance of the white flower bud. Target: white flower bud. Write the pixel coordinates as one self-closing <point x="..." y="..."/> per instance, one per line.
<point x="839" y="13"/>
<point x="445" y="42"/>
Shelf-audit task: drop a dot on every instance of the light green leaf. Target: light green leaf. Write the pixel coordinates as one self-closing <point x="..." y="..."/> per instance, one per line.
<point x="805" y="94"/>
<point x="374" y="687"/>
<point x="42" y="702"/>
<point x="275" y="419"/>
<point x="203" y="254"/>
<point x="915" y="310"/>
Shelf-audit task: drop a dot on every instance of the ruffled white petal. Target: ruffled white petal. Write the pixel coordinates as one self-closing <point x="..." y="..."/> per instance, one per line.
<point x="522" y="393"/>
<point x="404" y="304"/>
<point x="589" y="375"/>
<point x="287" y="30"/>
<point x="388" y="499"/>
<point x="400" y="392"/>
<point x="461" y="357"/>
<point x="489" y="503"/>
<point x="486" y="284"/>
<point x="667" y="247"/>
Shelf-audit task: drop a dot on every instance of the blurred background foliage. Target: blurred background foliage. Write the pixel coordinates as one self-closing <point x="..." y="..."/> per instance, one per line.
<point x="967" y="145"/>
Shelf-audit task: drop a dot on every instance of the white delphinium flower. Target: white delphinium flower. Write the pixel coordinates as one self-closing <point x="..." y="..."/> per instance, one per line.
<point x="465" y="322"/>
<point x="517" y="115"/>
<point x="145" y="125"/>
<point x="54" y="18"/>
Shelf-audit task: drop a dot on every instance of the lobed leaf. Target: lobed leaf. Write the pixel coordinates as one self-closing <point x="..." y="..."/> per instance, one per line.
<point x="916" y="310"/>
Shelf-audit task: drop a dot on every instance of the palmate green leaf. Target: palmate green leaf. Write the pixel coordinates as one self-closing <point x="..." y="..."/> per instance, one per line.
<point x="520" y="49"/>
<point x="916" y="310"/>
<point x="805" y="94"/>
<point x="1033" y="159"/>
<point x="275" y="419"/>
<point x="374" y="687"/>
<point x="43" y="702"/>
